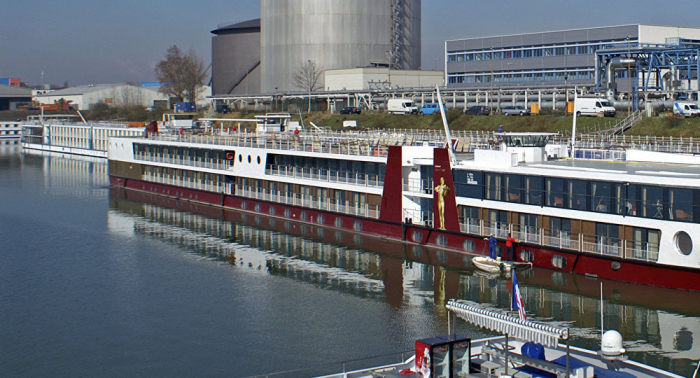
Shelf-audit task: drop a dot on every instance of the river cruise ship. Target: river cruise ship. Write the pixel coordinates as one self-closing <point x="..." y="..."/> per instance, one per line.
<point x="628" y="214"/>
<point x="61" y="133"/>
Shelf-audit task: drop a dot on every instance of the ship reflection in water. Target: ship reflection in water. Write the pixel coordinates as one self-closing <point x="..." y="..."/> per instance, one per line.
<point x="659" y="325"/>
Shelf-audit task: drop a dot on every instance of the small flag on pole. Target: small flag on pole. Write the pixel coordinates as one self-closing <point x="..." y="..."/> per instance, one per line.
<point x="518" y="299"/>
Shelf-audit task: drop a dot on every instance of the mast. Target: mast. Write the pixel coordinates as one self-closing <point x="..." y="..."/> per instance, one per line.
<point x="448" y="136"/>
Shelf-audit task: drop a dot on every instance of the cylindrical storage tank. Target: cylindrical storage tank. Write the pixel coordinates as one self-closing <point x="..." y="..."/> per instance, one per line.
<point x="335" y="34"/>
<point x="235" y="52"/>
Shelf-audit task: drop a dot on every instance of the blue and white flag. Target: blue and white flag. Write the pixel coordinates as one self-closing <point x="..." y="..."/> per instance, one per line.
<point x="518" y="299"/>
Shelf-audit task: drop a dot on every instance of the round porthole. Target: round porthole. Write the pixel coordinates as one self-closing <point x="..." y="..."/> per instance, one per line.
<point x="250" y="160"/>
<point x="441" y="240"/>
<point x="257" y="207"/>
<point x="287" y="213"/>
<point x="320" y="219"/>
<point x="416" y="236"/>
<point x="244" y="205"/>
<point x="468" y="245"/>
<point x="683" y="243"/>
<point x="272" y="210"/>
<point x="357" y="226"/>
<point x="258" y="160"/>
<point x="339" y="222"/>
<point x="616" y="265"/>
<point x="559" y="261"/>
<point x="240" y="158"/>
<point x="526" y="255"/>
<point x="304" y="216"/>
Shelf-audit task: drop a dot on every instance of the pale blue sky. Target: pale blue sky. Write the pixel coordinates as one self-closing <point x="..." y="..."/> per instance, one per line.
<point x="97" y="42"/>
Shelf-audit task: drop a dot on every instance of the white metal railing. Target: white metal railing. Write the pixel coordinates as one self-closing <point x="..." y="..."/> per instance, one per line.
<point x="181" y="160"/>
<point x="346" y="207"/>
<point x="418" y="186"/>
<point x="562" y="239"/>
<point x="209" y="186"/>
<point x="345" y="177"/>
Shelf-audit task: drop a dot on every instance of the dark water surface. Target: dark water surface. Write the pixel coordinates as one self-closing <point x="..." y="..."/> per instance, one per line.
<point x="108" y="283"/>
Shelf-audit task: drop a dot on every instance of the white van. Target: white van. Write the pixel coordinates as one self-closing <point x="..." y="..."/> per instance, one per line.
<point x="686" y="109"/>
<point x="593" y="106"/>
<point x="401" y="106"/>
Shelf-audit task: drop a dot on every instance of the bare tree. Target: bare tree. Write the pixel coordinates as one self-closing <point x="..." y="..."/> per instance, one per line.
<point x="194" y="76"/>
<point x="307" y="78"/>
<point x="181" y="75"/>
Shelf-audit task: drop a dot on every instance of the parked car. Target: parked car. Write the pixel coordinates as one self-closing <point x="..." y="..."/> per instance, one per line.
<point x="430" y="108"/>
<point x="515" y="110"/>
<point x="350" y="110"/>
<point x="478" y="110"/>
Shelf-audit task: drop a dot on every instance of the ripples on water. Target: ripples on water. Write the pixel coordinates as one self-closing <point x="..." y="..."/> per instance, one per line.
<point x="99" y="282"/>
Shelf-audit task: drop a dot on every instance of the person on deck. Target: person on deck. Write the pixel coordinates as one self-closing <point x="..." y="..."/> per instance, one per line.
<point x="510" y="244"/>
<point x="492" y="246"/>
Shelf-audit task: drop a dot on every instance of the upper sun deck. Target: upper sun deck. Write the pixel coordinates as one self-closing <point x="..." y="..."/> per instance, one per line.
<point x="365" y="143"/>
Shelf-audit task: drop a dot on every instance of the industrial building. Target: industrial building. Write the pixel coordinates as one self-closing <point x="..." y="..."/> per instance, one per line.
<point x="86" y="96"/>
<point x="380" y="78"/>
<point x="262" y="56"/>
<point x="11" y="97"/>
<point x="608" y="60"/>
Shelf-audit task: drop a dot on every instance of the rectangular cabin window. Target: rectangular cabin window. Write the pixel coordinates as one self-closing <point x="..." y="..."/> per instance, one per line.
<point x="493" y="186"/>
<point x="601" y="196"/>
<point x="533" y="190"/>
<point x="555" y="192"/>
<point x="469" y="215"/>
<point x="645" y="243"/>
<point x="652" y="198"/>
<point x="469" y="184"/>
<point x="513" y="188"/>
<point x="559" y="227"/>
<point x="632" y="200"/>
<point x="607" y="239"/>
<point x="528" y="223"/>
<point x="680" y="204"/>
<point x="578" y="198"/>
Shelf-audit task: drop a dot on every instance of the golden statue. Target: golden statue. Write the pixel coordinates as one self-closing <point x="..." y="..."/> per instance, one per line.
<point x="442" y="190"/>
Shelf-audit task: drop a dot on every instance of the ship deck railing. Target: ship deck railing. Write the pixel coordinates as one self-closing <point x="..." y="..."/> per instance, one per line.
<point x="596" y="244"/>
<point x="343" y="177"/>
<point x="686" y="145"/>
<point x="312" y="202"/>
<point x="191" y="161"/>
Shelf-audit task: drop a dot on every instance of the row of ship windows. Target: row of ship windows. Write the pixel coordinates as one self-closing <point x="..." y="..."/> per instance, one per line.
<point x="646" y="201"/>
<point x="531" y="51"/>
<point x="521" y="76"/>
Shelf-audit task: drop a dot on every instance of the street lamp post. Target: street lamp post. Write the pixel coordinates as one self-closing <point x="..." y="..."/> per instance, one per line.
<point x="491" y="92"/>
<point x="566" y="81"/>
<point x="310" y="85"/>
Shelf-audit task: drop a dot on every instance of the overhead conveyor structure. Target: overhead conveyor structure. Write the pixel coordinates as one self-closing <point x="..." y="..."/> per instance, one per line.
<point x="663" y="71"/>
